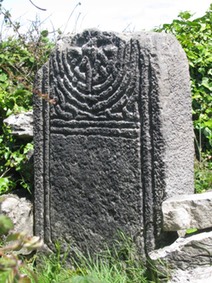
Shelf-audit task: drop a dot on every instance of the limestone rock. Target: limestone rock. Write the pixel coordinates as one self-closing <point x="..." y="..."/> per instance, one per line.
<point x="21" y="124"/>
<point x="196" y="275"/>
<point x="20" y="210"/>
<point x="187" y="211"/>
<point x="185" y="253"/>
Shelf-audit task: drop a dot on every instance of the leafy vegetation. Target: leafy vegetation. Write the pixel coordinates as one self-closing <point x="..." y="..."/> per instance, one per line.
<point x="21" y="55"/>
<point x="203" y="174"/>
<point x="11" y="267"/>
<point x="195" y="37"/>
<point x="117" y="264"/>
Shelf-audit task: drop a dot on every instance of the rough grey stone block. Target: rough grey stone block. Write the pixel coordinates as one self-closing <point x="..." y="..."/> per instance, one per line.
<point x="20" y="211"/>
<point x="187" y="211"/>
<point x="185" y="253"/>
<point x="196" y="275"/>
<point x="113" y="137"/>
<point x="21" y="124"/>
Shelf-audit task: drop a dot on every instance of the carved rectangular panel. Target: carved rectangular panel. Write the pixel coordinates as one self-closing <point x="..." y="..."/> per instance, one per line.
<point x="109" y="149"/>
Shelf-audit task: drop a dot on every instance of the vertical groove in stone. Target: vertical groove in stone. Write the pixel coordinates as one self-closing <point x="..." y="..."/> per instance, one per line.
<point x="38" y="157"/>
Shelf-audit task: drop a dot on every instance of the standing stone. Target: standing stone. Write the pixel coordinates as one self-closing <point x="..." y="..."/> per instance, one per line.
<point x="113" y="137"/>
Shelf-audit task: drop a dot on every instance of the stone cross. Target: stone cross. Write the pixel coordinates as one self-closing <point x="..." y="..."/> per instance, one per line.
<point x="113" y="137"/>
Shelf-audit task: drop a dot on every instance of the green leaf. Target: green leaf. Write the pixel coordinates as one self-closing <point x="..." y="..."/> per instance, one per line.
<point x="44" y="33"/>
<point x="28" y="147"/>
<point x="191" y="230"/>
<point x="3" y="77"/>
<point x="13" y="237"/>
<point x="207" y="84"/>
<point x="6" y="224"/>
<point x="4" y="275"/>
<point x="185" y="15"/>
<point x="208" y="124"/>
<point x="5" y="184"/>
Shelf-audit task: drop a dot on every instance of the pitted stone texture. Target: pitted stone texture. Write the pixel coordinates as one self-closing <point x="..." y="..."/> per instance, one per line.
<point x="196" y="275"/>
<point x="21" y="124"/>
<point x="187" y="211"/>
<point x="109" y="151"/>
<point x="20" y="212"/>
<point x="185" y="253"/>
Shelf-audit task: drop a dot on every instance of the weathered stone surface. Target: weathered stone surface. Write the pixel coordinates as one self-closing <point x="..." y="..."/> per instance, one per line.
<point x="20" y="210"/>
<point x="21" y="124"/>
<point x="187" y="211"/>
<point x="186" y="253"/>
<point x="196" y="275"/>
<point x="116" y="141"/>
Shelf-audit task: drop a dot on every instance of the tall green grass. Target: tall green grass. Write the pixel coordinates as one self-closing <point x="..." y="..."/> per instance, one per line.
<point x="118" y="263"/>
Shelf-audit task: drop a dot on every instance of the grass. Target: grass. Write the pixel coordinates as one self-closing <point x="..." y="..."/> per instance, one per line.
<point x="117" y="264"/>
<point x="203" y="174"/>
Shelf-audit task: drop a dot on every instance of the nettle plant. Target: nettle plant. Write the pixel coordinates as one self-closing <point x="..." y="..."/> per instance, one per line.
<point x="21" y="55"/>
<point x="195" y="37"/>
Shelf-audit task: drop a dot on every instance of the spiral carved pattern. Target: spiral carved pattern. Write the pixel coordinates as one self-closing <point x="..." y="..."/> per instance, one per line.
<point x="96" y="79"/>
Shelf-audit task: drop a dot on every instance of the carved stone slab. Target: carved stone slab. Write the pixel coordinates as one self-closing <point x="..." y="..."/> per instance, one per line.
<point x="113" y="137"/>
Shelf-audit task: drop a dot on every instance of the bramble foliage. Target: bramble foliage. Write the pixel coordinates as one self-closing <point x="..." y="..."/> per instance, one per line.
<point x="21" y="55"/>
<point x="195" y="37"/>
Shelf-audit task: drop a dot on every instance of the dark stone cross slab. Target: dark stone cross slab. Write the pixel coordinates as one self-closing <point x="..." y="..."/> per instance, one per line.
<point x="113" y="137"/>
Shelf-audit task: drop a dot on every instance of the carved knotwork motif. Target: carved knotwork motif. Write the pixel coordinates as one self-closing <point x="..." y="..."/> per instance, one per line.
<point x="97" y="78"/>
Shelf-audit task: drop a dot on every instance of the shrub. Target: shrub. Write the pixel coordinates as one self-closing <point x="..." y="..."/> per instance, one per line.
<point x="21" y="55"/>
<point x="11" y="267"/>
<point x="195" y="37"/>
